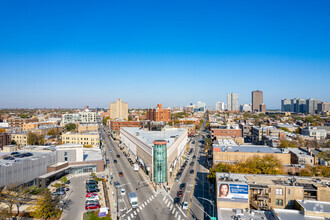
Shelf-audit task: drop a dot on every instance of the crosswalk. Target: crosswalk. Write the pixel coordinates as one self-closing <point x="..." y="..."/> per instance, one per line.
<point x="173" y="209"/>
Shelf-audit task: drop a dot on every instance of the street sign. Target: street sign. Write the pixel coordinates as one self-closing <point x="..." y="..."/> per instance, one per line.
<point x="102" y="214"/>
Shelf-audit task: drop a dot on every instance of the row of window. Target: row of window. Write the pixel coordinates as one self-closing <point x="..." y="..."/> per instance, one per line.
<point x="85" y="139"/>
<point x="78" y="142"/>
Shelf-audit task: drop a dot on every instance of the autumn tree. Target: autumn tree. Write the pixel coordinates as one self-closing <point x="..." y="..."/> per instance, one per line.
<point x="105" y="120"/>
<point x="45" y="206"/>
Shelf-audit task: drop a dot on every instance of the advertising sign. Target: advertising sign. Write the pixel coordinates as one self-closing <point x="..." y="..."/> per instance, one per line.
<point x="233" y="192"/>
<point x="102" y="214"/>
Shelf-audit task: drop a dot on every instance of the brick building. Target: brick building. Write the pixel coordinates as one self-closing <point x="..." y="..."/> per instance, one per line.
<point x="19" y="122"/>
<point x="226" y="132"/>
<point x="159" y="114"/>
<point x="4" y="140"/>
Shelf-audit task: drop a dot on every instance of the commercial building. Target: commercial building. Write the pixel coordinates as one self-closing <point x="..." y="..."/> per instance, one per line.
<point x="232" y="102"/>
<point x="115" y="125"/>
<point x="311" y="105"/>
<point x="118" y="110"/>
<point x="257" y="100"/>
<point x="263" y="192"/>
<point x="87" y="139"/>
<point x="159" y="153"/>
<point x="323" y="107"/>
<point x="227" y="131"/>
<point x="230" y="153"/>
<point x="48" y="164"/>
<point x="4" y="140"/>
<point x="34" y="125"/>
<point x="19" y="138"/>
<point x="9" y="148"/>
<point x="159" y="114"/>
<point x="298" y="105"/>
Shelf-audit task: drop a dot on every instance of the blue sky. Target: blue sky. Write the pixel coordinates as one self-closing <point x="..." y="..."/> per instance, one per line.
<point x="77" y="53"/>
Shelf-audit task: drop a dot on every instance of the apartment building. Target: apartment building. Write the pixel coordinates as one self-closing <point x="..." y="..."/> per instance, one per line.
<point x="257" y="100"/>
<point x="227" y="131"/>
<point x="34" y="125"/>
<point x="299" y="156"/>
<point x="258" y="133"/>
<point x="118" y="110"/>
<point x="4" y="140"/>
<point x="19" y="122"/>
<point x="91" y="138"/>
<point x="159" y="114"/>
<point x="115" y="125"/>
<point x="318" y="134"/>
<point x="83" y="127"/>
<point x="263" y="192"/>
<point x="19" y="138"/>
<point x="85" y="116"/>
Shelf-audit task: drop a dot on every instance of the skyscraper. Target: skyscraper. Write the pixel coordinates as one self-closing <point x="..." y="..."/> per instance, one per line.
<point x="118" y="110"/>
<point x="257" y="100"/>
<point x="232" y="102"/>
<point x="220" y="106"/>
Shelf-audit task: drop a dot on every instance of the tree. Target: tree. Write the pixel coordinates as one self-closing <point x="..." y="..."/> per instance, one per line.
<point x="45" y="206"/>
<point x="70" y="126"/>
<point x="207" y="141"/>
<point x="32" y="138"/>
<point x="170" y="123"/>
<point x="105" y="120"/>
<point x="13" y="142"/>
<point x="2" y="130"/>
<point x="93" y="175"/>
<point x="12" y="195"/>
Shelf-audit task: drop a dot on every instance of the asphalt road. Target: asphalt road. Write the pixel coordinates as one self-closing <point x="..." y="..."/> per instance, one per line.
<point x="151" y="205"/>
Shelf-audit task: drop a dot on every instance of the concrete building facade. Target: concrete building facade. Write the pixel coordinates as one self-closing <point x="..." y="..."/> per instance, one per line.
<point x="118" y="110"/>
<point x="232" y="102"/>
<point x="257" y="100"/>
<point x="19" y="138"/>
<point x="91" y="138"/>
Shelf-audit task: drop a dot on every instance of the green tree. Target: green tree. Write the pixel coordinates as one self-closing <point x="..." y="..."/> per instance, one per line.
<point x="170" y="123"/>
<point x="130" y="118"/>
<point x="32" y="138"/>
<point x="92" y="175"/>
<point x="70" y="126"/>
<point x="207" y="141"/>
<point x="45" y="206"/>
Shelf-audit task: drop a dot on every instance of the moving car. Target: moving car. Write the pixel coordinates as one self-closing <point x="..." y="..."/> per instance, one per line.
<point x="133" y="200"/>
<point x="122" y="192"/>
<point x="118" y="156"/>
<point x="180" y="193"/>
<point x="192" y="163"/>
<point x="191" y="171"/>
<point x="176" y="200"/>
<point x="121" y="174"/>
<point x="115" y="161"/>
<point x="117" y="185"/>
<point x="185" y="205"/>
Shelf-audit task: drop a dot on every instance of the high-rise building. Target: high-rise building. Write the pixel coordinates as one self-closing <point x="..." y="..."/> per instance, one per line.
<point x="118" y="110"/>
<point x="257" y="100"/>
<point x="159" y="114"/>
<point x="323" y="107"/>
<point x="201" y="106"/>
<point x="220" y="106"/>
<point x="286" y="105"/>
<point x="245" y="108"/>
<point x="232" y="102"/>
<point x="311" y="105"/>
<point x="262" y="108"/>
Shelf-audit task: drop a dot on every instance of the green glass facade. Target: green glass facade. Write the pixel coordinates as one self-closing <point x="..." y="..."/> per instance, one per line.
<point x="160" y="163"/>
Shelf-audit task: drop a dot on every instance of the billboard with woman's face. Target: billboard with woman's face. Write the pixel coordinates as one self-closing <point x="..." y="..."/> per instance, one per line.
<point x="233" y="192"/>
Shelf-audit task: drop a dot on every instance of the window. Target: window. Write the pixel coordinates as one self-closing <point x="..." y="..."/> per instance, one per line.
<point x="279" y="202"/>
<point x="279" y="191"/>
<point x="66" y="156"/>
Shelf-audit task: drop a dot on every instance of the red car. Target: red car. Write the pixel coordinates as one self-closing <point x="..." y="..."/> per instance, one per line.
<point x="91" y="194"/>
<point x="180" y="194"/>
<point x="92" y="206"/>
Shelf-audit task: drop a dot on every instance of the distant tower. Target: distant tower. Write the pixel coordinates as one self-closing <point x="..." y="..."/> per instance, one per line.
<point x="232" y="102"/>
<point x="257" y="100"/>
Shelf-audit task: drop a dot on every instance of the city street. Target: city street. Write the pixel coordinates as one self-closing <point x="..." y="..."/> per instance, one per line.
<point x="152" y="205"/>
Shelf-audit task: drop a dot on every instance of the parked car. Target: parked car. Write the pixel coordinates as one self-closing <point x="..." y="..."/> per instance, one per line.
<point x="15" y="153"/>
<point x="115" y="161"/>
<point x="180" y="193"/>
<point x="63" y="189"/>
<point x="176" y="200"/>
<point x="92" y="206"/>
<point x="122" y="192"/>
<point x="191" y="171"/>
<point x="194" y="156"/>
<point x="59" y="193"/>
<point x="27" y="154"/>
<point x="192" y="163"/>
<point x="182" y="185"/>
<point x="185" y="205"/>
<point x="177" y="179"/>
<point x="92" y="190"/>
<point x="91" y="182"/>
<point x="9" y="158"/>
<point x="118" y="156"/>
<point x="91" y="186"/>
<point x="93" y="198"/>
<point x="91" y="194"/>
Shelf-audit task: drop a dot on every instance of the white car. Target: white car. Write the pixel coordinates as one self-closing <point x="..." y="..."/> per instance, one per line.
<point x="93" y="198"/>
<point x="122" y="192"/>
<point x="185" y="205"/>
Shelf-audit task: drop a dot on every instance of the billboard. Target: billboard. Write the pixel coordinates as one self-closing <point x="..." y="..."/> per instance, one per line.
<point x="233" y="192"/>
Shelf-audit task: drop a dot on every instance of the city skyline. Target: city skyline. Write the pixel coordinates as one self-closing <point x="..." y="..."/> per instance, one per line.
<point x="94" y="53"/>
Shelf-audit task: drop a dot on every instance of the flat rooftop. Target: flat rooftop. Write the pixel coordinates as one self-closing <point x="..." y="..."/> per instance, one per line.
<point x="248" y="148"/>
<point x="293" y="214"/>
<point x="36" y="154"/>
<point x="315" y="206"/>
<point x="226" y="213"/>
<point x="226" y="142"/>
<point x="148" y="137"/>
<point x="300" y="152"/>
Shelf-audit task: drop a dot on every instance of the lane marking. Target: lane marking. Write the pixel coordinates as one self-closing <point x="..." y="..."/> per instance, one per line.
<point x="179" y="217"/>
<point x="171" y="206"/>
<point x="138" y="210"/>
<point x="173" y="211"/>
<point x="132" y="215"/>
<point x="164" y="198"/>
<point x="176" y="214"/>
<point x="128" y="218"/>
<point x="134" y="212"/>
<point x="142" y="205"/>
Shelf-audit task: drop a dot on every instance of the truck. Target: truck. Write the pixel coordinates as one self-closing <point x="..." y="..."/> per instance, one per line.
<point x="136" y="167"/>
<point x="133" y="200"/>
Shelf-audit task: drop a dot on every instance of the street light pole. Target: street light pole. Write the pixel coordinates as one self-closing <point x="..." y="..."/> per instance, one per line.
<point x="210" y="201"/>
